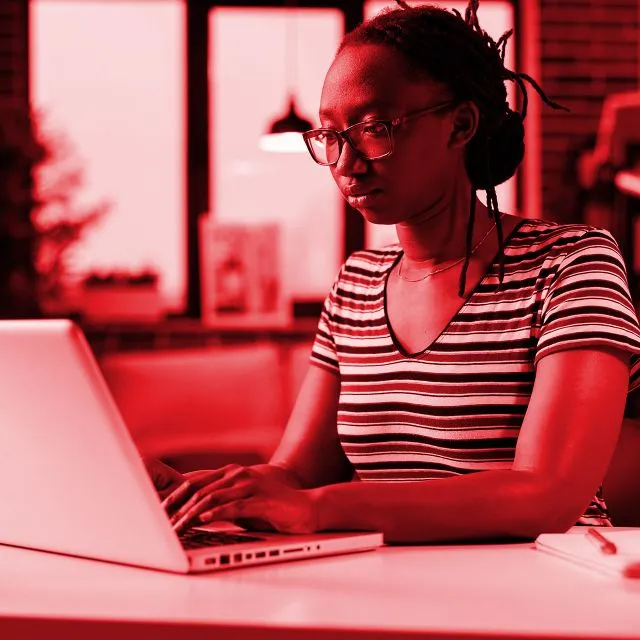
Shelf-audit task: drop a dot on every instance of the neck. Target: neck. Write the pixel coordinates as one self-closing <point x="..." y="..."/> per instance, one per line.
<point x="438" y="234"/>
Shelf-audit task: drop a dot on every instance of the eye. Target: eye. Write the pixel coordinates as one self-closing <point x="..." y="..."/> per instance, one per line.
<point x="325" y="136"/>
<point x="374" y="129"/>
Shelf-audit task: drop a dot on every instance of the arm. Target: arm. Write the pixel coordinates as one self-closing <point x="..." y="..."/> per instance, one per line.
<point x="565" y="444"/>
<point x="310" y="454"/>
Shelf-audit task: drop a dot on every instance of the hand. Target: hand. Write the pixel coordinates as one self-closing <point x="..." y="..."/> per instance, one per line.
<point x="165" y="479"/>
<point x="235" y="493"/>
<point x="172" y="486"/>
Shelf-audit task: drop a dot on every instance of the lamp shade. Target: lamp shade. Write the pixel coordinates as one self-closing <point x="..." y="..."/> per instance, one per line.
<point x="284" y="134"/>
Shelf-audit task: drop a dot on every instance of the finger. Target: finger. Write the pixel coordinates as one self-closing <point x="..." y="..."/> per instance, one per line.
<point x="195" y="499"/>
<point x="169" y="489"/>
<point x="176" y="495"/>
<point x="235" y="492"/>
<point x="188" y="519"/>
<point x="203" y="477"/>
<point x="232" y="494"/>
<point x="247" y="508"/>
<point x="204" y="491"/>
<point x="187" y="507"/>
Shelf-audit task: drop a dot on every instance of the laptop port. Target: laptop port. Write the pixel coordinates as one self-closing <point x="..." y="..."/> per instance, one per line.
<point x="237" y="557"/>
<point x="274" y="552"/>
<point x="261" y="554"/>
<point x="293" y="550"/>
<point x="211" y="560"/>
<point x="249" y="556"/>
<point x="224" y="559"/>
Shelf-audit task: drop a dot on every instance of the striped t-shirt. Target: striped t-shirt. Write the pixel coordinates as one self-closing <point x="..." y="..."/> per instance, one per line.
<point x="457" y="407"/>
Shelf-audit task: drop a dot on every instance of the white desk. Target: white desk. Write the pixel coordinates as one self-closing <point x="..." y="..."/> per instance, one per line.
<point x="489" y="591"/>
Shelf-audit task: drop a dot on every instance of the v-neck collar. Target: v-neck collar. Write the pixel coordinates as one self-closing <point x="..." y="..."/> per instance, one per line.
<point x="453" y="319"/>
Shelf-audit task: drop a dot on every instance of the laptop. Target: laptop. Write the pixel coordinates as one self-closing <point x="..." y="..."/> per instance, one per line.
<point x="72" y="481"/>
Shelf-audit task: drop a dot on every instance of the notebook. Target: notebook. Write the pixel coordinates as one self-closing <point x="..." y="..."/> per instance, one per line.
<point x="577" y="548"/>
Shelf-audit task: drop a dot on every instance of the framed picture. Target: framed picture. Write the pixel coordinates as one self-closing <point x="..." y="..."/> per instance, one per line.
<point x="241" y="274"/>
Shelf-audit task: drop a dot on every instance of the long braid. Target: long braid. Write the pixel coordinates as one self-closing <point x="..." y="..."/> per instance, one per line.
<point x="494" y="211"/>
<point x="444" y="46"/>
<point x="491" y="193"/>
<point x="469" y="240"/>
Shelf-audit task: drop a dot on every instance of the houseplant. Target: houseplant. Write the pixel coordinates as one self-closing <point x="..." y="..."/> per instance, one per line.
<point x="40" y="220"/>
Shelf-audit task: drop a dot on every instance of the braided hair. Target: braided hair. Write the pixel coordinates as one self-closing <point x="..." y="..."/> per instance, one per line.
<point x="443" y="46"/>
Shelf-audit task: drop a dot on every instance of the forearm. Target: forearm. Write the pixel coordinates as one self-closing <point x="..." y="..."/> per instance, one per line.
<point x="479" y="506"/>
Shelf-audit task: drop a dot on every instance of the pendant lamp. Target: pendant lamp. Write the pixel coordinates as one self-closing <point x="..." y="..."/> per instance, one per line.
<point x="284" y="134"/>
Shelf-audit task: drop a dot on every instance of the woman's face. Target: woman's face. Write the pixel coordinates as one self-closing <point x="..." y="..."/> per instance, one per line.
<point x="366" y="82"/>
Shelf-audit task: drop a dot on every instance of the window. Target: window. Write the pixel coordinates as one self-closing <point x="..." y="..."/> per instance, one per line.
<point x="248" y="88"/>
<point x="110" y="76"/>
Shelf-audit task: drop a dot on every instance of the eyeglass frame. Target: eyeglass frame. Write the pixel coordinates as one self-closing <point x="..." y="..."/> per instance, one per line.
<point x="390" y="125"/>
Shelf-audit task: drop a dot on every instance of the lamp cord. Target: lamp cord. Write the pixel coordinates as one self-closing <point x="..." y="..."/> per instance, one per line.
<point x="291" y="48"/>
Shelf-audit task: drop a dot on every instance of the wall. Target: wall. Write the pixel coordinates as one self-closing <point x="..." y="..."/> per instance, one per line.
<point x="588" y="48"/>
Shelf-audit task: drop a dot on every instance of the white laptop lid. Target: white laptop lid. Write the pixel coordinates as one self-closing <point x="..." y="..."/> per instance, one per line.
<point x="71" y="479"/>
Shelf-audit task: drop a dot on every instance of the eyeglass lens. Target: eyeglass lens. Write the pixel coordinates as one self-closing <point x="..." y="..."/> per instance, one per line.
<point x="371" y="140"/>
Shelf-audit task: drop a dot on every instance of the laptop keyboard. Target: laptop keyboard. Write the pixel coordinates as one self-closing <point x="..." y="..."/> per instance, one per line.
<point x="201" y="539"/>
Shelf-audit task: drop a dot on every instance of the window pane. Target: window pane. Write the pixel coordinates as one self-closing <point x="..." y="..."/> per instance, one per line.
<point x="110" y="76"/>
<point x="495" y="18"/>
<point x="249" y="80"/>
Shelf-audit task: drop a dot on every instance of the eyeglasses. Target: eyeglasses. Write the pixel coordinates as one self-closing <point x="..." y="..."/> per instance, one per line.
<point x="370" y="140"/>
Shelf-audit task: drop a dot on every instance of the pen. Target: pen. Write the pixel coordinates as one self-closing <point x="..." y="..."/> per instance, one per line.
<point x="606" y="546"/>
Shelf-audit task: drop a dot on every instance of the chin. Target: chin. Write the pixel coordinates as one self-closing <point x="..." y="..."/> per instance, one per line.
<point x="376" y="217"/>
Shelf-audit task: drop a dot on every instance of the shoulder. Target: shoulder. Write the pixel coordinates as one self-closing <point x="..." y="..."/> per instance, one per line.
<point x="374" y="259"/>
<point x="367" y="264"/>
<point x="538" y="232"/>
<point x="553" y="242"/>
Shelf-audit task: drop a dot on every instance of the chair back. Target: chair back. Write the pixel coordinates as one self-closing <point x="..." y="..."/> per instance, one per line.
<point x="621" y="486"/>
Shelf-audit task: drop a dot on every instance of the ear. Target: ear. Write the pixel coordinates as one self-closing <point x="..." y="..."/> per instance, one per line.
<point x="466" y="118"/>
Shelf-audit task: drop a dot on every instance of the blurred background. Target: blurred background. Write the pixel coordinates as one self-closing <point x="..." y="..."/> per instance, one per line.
<point x="153" y="188"/>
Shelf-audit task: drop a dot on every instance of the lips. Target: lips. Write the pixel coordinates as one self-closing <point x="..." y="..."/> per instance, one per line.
<point x="354" y="192"/>
<point x="365" y="201"/>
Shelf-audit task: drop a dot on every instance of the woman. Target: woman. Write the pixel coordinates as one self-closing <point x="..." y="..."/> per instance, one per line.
<point x="474" y="375"/>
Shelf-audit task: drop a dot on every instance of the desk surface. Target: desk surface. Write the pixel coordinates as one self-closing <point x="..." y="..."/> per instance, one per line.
<point x="508" y="590"/>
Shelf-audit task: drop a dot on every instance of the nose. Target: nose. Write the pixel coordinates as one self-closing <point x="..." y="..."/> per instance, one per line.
<point x="349" y="161"/>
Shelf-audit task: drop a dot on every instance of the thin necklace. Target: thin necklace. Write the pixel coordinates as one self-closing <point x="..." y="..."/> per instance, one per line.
<point x="449" y="266"/>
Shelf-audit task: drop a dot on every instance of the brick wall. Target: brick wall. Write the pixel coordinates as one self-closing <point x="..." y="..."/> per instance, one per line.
<point x="13" y="52"/>
<point x="588" y="49"/>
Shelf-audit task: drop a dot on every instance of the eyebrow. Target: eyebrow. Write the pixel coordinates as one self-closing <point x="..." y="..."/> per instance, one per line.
<point x="365" y="106"/>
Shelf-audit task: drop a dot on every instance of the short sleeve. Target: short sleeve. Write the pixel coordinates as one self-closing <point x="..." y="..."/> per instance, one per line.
<point x="324" y="352"/>
<point x="588" y="303"/>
